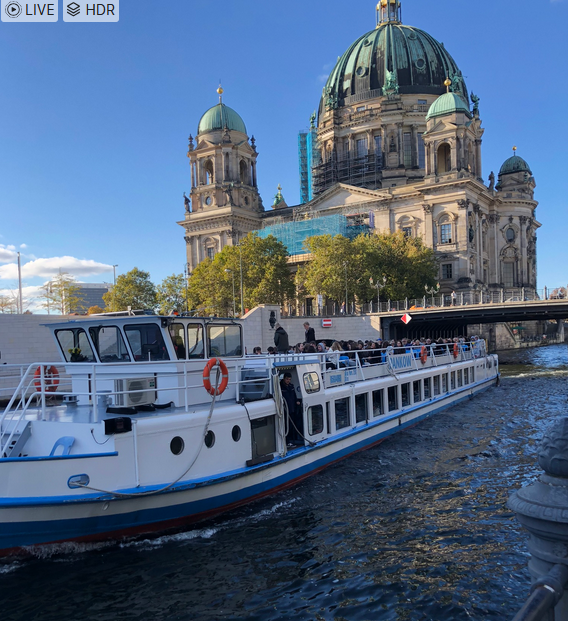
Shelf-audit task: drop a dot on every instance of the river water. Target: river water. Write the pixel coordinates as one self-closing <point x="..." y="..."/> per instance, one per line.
<point x="416" y="528"/>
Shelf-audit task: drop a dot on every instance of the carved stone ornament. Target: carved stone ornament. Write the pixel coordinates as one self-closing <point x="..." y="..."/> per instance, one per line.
<point x="428" y="208"/>
<point x="523" y="220"/>
<point x="463" y="203"/>
<point x="553" y="450"/>
<point x="493" y="218"/>
<point x="476" y="208"/>
<point x="188" y="240"/>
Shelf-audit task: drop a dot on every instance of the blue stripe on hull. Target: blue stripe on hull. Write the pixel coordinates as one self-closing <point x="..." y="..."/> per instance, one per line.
<point x="17" y="534"/>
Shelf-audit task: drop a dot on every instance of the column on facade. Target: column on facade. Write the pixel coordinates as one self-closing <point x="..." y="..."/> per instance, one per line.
<point x="524" y="272"/>
<point x="453" y="153"/>
<point x="414" y="145"/>
<point x="428" y="228"/>
<point x="400" y="145"/>
<point x="478" y="158"/>
<point x="497" y="262"/>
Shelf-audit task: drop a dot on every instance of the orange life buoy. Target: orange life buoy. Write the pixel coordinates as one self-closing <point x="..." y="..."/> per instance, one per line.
<point x="456" y="350"/>
<point x="50" y="379"/>
<point x="423" y="354"/>
<point x="224" y="377"/>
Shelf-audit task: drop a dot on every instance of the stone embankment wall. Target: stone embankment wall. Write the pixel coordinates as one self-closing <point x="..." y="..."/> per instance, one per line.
<point x="501" y="336"/>
<point x="24" y="339"/>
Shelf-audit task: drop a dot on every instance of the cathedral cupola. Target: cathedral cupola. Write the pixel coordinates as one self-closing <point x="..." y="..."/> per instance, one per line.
<point x="516" y="178"/>
<point x="223" y="162"/>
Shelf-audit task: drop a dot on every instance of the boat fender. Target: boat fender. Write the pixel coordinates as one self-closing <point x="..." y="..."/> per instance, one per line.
<point x="51" y="379"/>
<point x="423" y="354"/>
<point x="456" y="350"/>
<point x="207" y="380"/>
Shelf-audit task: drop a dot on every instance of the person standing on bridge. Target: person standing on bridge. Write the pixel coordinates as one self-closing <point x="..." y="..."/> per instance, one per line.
<point x="453" y="296"/>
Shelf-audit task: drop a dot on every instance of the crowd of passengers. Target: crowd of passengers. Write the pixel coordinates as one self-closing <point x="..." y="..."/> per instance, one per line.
<point x="376" y="351"/>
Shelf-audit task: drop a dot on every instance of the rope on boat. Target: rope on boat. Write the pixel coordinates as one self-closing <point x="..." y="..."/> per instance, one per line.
<point x="167" y="487"/>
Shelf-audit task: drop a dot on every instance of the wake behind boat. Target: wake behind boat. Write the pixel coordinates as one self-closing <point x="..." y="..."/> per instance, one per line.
<point x="151" y="423"/>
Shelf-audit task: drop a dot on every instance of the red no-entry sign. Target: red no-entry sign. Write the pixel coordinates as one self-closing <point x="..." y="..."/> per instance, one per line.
<point x="406" y="318"/>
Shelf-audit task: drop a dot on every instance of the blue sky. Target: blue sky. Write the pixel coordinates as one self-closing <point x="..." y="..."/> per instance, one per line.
<point x="95" y="117"/>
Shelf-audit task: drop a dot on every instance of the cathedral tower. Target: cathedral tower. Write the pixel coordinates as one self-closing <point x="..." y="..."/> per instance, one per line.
<point x="225" y="203"/>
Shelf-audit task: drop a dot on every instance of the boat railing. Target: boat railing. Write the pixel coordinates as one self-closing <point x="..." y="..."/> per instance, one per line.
<point x="38" y="389"/>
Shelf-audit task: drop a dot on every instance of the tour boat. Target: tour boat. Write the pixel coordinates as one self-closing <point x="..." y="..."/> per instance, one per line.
<point x="150" y="423"/>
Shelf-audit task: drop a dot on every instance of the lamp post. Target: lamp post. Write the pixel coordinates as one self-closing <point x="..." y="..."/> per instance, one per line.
<point x="228" y="271"/>
<point x="432" y="291"/>
<point x="346" y="303"/>
<point x="113" y="284"/>
<point x="379" y="285"/>
<point x="242" y="292"/>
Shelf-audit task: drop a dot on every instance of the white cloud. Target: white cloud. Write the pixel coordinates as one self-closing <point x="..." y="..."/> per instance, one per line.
<point x="47" y="268"/>
<point x="7" y="254"/>
<point x="23" y="246"/>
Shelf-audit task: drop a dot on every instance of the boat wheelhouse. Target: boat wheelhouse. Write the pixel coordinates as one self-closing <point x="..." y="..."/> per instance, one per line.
<point x="150" y="423"/>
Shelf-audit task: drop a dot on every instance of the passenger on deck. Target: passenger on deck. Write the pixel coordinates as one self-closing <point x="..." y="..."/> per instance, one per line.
<point x="295" y="427"/>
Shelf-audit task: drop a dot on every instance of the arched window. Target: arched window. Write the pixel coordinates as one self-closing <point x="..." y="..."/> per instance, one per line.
<point x="227" y="168"/>
<point x="445" y="230"/>
<point x="208" y="168"/>
<point x="243" y="172"/>
<point x="444" y="158"/>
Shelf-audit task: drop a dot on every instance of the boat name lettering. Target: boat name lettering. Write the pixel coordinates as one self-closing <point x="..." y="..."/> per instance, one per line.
<point x="400" y="362"/>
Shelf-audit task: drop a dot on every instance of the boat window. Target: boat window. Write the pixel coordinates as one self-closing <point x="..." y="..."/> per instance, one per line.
<point x="417" y="392"/>
<point x="195" y="341"/>
<point x="393" y="398"/>
<point x="146" y="342"/>
<point x="177" y="334"/>
<point x="328" y="416"/>
<point x="342" y="414"/>
<point x="315" y="419"/>
<point x="75" y="340"/>
<point x="311" y="382"/>
<point x="263" y="436"/>
<point x="472" y="375"/>
<point x="436" y="385"/>
<point x="427" y="392"/>
<point x="361" y="408"/>
<point x="378" y="409"/>
<point x="466" y="376"/>
<point x="444" y="382"/>
<point x="109" y="344"/>
<point x="460" y="379"/>
<point x="405" y="391"/>
<point x="224" y="340"/>
<point x="453" y="380"/>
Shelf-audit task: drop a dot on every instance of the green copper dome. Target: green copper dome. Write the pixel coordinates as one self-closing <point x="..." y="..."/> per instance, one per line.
<point x="219" y="117"/>
<point x="391" y="58"/>
<point x="515" y="164"/>
<point x="448" y="103"/>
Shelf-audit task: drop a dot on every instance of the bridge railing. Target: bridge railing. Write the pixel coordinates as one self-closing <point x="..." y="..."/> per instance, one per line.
<point x="463" y="298"/>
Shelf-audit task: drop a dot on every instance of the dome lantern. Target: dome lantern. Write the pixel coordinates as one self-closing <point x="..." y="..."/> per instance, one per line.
<point x="388" y="11"/>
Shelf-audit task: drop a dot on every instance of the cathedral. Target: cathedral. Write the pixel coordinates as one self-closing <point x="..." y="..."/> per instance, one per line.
<point x="396" y="146"/>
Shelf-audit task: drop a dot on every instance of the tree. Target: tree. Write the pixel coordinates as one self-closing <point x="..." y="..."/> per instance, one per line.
<point x="343" y="268"/>
<point x="171" y="294"/>
<point x="9" y="303"/>
<point x="134" y="289"/>
<point x="94" y="310"/>
<point x="62" y="295"/>
<point x="265" y="276"/>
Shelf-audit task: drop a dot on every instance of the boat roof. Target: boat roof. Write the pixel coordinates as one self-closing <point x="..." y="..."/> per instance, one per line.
<point x="114" y="318"/>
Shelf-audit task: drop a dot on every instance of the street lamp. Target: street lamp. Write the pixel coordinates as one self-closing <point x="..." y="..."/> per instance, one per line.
<point x="228" y="271"/>
<point x="242" y="292"/>
<point x="114" y="274"/>
<point x="379" y="285"/>
<point x="187" y="275"/>
<point x="432" y="291"/>
<point x="345" y="266"/>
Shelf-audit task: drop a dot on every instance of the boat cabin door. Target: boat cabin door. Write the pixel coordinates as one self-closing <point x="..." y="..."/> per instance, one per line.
<point x="313" y="401"/>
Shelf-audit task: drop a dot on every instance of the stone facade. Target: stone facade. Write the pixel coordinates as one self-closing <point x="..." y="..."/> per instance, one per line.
<point x="399" y="152"/>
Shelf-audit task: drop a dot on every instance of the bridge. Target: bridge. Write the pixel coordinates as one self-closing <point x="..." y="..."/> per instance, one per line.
<point x="450" y="320"/>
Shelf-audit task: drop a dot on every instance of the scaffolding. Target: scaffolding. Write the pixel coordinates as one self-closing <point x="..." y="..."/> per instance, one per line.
<point x="362" y="172"/>
<point x="294" y="233"/>
<point x="308" y="157"/>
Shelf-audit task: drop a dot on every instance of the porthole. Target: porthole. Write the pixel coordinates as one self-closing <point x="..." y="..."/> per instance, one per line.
<point x="236" y="433"/>
<point x="361" y="71"/>
<point x="366" y="42"/>
<point x="208" y="200"/>
<point x="209" y="439"/>
<point x="177" y="445"/>
<point x="420" y="63"/>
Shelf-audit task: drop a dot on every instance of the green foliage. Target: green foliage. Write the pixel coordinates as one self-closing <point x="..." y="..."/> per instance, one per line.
<point x="94" y="310"/>
<point x="61" y="295"/>
<point x="134" y="289"/>
<point x="265" y="275"/>
<point x="338" y="264"/>
<point x="170" y="294"/>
